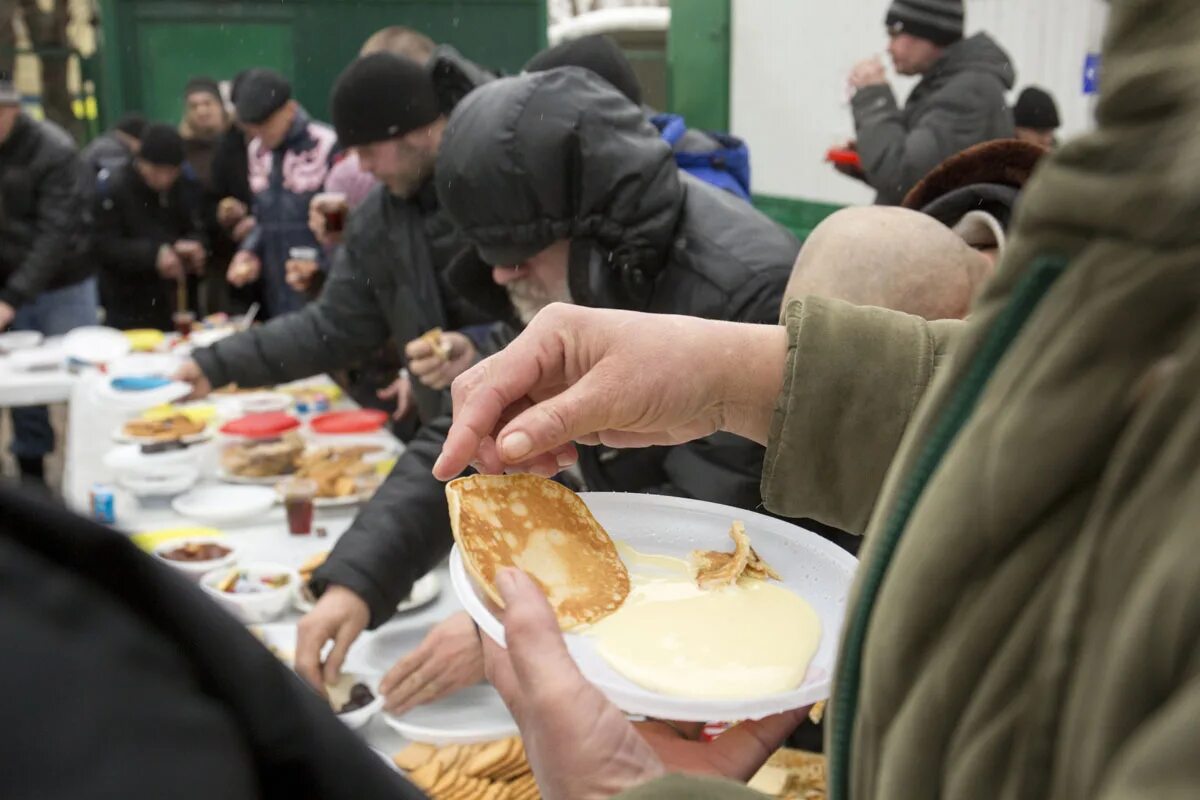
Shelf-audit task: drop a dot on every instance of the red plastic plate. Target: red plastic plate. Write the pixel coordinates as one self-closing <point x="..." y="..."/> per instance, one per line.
<point x="261" y="426"/>
<point x="363" y="420"/>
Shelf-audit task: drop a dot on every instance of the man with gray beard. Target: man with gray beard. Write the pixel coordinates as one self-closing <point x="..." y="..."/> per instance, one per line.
<point x="605" y="219"/>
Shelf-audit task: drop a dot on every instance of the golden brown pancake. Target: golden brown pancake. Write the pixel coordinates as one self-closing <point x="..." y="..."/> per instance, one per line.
<point x="545" y="530"/>
<point x="715" y="569"/>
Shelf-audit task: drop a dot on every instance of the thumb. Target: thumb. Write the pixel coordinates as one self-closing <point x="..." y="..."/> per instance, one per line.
<point x="580" y="410"/>
<point x="535" y="644"/>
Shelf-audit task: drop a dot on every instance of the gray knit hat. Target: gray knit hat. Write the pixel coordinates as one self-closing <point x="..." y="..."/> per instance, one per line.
<point x="939" y="21"/>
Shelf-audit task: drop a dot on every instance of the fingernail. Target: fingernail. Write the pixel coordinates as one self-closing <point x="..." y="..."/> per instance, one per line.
<point x="516" y="446"/>
<point x="564" y="459"/>
<point x="437" y="465"/>
<point x="506" y="582"/>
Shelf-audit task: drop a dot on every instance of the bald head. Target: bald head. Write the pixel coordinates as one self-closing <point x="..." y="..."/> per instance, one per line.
<point x="889" y="257"/>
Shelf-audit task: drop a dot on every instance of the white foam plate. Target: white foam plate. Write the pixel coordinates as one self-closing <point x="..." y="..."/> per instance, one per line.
<point x="163" y="483"/>
<point x="217" y="504"/>
<point x="95" y="344"/>
<point x="264" y="402"/>
<point x="48" y="357"/>
<point x="129" y="458"/>
<point x="812" y="567"/>
<point x="139" y="364"/>
<point x="19" y="340"/>
<point x="474" y="714"/>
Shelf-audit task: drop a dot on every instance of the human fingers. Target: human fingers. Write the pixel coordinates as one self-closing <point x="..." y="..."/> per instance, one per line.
<point x="538" y="653"/>
<point x="418" y="348"/>
<point x="743" y="749"/>
<point x="406" y="678"/>
<point x="425" y="366"/>
<point x="311" y="634"/>
<point x="580" y="410"/>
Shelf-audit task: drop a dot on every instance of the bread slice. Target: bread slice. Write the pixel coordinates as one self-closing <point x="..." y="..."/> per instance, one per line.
<point x="544" y="529"/>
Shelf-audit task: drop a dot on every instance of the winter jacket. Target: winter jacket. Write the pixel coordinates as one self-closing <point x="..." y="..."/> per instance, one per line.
<point x="717" y="158"/>
<point x="44" y="212"/>
<point x="151" y="688"/>
<point x="1025" y="621"/>
<point x="132" y="222"/>
<point x="958" y="103"/>
<point x="283" y="182"/>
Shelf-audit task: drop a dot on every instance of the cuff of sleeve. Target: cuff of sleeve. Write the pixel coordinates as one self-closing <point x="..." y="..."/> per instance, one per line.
<point x="341" y="573"/>
<point x="13" y="297"/>
<point x="210" y="364"/>
<point x="852" y="378"/>
<point x="871" y="95"/>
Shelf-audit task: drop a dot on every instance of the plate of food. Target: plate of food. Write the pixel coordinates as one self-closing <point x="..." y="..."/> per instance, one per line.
<point x="178" y="427"/>
<point x="344" y="475"/>
<point x="497" y="768"/>
<point x="261" y="461"/>
<point x="674" y="608"/>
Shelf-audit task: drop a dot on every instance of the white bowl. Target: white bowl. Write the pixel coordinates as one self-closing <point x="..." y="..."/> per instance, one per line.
<point x="260" y="607"/>
<point x="356" y="719"/>
<point x="165" y="482"/>
<point x="264" y="402"/>
<point x="128" y="459"/>
<point x="195" y="570"/>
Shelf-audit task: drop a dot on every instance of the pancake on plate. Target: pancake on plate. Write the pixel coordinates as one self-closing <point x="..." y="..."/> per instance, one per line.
<point x="544" y="529"/>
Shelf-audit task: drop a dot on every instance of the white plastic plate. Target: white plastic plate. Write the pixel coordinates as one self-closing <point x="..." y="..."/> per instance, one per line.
<point x="474" y="714"/>
<point x="812" y="567"/>
<point x="95" y="344"/>
<point x="219" y="503"/>
<point x="19" y="340"/>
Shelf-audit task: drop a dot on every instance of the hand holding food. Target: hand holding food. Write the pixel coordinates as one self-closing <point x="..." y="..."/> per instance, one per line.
<point x="525" y="406"/>
<point x="449" y="658"/>
<point x="299" y="273"/>
<point x="437" y="358"/>
<point x="169" y="264"/>
<point x="244" y="268"/>
<point x="231" y="211"/>
<point x="193" y="255"/>
<point x="243" y="229"/>
<point x="339" y="616"/>
<point x="190" y="372"/>
<point x="868" y="72"/>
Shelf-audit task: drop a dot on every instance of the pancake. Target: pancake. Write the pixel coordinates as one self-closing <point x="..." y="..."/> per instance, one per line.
<point x="545" y="530"/>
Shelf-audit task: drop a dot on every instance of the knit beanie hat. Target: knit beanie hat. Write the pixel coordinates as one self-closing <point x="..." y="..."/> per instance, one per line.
<point x="260" y="93"/>
<point x="381" y="96"/>
<point x="598" y="53"/>
<point x="162" y="145"/>
<point x="204" y="84"/>
<point x="939" y="21"/>
<point x="1035" y="109"/>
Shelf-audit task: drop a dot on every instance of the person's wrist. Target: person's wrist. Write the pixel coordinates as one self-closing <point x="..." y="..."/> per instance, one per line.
<point x="755" y="360"/>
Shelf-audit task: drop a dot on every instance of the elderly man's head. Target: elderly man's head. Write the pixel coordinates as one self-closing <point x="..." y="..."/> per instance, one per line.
<point x="890" y="257"/>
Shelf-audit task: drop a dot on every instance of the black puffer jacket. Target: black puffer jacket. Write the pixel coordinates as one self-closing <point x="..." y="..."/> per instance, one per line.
<point x="44" y="212"/>
<point x="645" y="237"/>
<point x="561" y="154"/>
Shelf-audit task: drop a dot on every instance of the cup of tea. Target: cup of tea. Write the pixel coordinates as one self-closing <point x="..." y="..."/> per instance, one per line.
<point x="333" y="208"/>
<point x="182" y="322"/>
<point x="299" y="496"/>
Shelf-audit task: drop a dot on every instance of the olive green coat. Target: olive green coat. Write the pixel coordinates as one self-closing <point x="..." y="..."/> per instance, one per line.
<point x="1026" y="618"/>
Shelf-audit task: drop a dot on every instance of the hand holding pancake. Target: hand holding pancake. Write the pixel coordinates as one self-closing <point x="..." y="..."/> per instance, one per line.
<point x="449" y="658"/>
<point x="579" y="744"/>
<point x="619" y="378"/>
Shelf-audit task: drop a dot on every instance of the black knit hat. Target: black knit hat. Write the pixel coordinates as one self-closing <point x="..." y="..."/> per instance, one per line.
<point x="600" y="54"/>
<point x="260" y="93"/>
<point x="132" y="124"/>
<point x="201" y="83"/>
<point x="381" y="96"/>
<point x="162" y="145"/>
<point x="939" y="21"/>
<point x="1035" y="109"/>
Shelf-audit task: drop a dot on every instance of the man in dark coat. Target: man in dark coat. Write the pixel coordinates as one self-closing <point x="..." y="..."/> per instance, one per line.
<point x="149" y="235"/>
<point x="47" y="281"/>
<point x="124" y="680"/>
<point x="558" y="175"/>
<point x="959" y="102"/>
<point x="115" y="148"/>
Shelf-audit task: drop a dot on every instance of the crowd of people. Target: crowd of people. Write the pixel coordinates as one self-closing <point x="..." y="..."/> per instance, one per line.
<point x="985" y="376"/>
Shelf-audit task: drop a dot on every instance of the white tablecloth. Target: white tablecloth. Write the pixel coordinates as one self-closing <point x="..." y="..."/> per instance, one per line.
<point x="266" y="539"/>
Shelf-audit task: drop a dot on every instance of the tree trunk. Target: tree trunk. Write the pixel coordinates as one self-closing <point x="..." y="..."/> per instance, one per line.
<point x="48" y="32"/>
<point x="8" y="36"/>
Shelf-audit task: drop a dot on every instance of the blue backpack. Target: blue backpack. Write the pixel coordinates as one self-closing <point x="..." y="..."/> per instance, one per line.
<point x="727" y="167"/>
